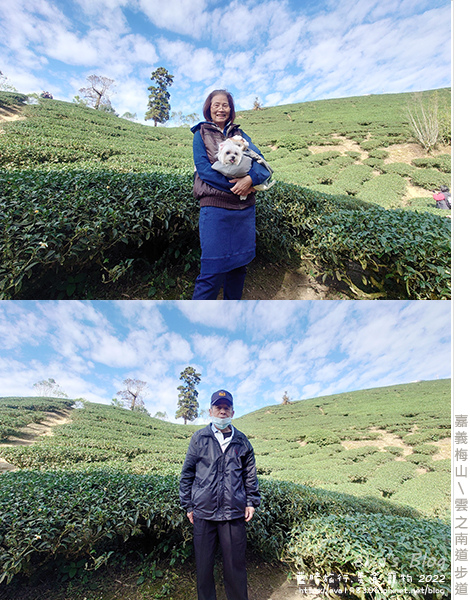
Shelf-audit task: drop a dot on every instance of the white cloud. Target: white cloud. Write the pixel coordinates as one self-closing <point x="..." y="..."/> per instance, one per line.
<point x="277" y="51"/>
<point x="197" y="64"/>
<point x="222" y="315"/>
<point x="316" y="348"/>
<point x="187" y="17"/>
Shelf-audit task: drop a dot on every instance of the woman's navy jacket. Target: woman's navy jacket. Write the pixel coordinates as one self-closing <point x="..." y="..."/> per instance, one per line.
<point x="216" y="485"/>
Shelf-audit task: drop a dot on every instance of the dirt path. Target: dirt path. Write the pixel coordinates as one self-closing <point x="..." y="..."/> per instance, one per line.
<point x="10" y="113"/>
<point x="32" y="432"/>
<point x="268" y="281"/>
<point x="386" y="439"/>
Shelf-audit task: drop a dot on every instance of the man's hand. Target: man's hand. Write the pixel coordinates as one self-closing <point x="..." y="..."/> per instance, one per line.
<point x="243" y="186"/>
<point x="249" y="512"/>
<point x="190" y="517"/>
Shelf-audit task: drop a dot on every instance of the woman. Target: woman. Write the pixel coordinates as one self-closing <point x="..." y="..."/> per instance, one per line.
<point x="226" y="222"/>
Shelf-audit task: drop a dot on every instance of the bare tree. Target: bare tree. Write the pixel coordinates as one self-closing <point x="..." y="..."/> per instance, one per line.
<point x="4" y="85"/>
<point x="183" y="120"/>
<point x="129" y="116"/>
<point x="161" y="415"/>
<point x="133" y="395"/>
<point x="98" y="91"/>
<point x="49" y="388"/>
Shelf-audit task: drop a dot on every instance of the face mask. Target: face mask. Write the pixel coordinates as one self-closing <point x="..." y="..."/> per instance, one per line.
<point x="221" y="423"/>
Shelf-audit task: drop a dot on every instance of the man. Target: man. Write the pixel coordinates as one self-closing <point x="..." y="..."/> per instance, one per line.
<point x="219" y="491"/>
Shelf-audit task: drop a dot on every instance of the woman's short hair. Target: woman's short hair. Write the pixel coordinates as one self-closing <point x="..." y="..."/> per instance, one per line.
<point x="206" y="111"/>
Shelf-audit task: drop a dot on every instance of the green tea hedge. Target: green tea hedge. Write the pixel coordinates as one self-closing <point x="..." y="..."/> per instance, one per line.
<point x="371" y="555"/>
<point x="394" y="250"/>
<point x="65" y="223"/>
<point x="76" y="220"/>
<point x="92" y="513"/>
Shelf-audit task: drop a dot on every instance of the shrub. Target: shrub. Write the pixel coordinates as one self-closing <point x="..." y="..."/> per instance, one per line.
<point x="397" y="248"/>
<point x="92" y="513"/>
<point x="429" y="435"/>
<point x="89" y="514"/>
<point x="430" y="179"/>
<point x="374" y="144"/>
<point x="287" y="505"/>
<point x="389" y="477"/>
<point x="403" y="169"/>
<point x="79" y="219"/>
<point x="443" y="162"/>
<point x="426" y="449"/>
<point x="375" y="163"/>
<point x="434" y="489"/>
<point x="9" y="99"/>
<point x="379" y="153"/>
<point x="351" y="179"/>
<point x="291" y="142"/>
<point x="322" y="158"/>
<point x="374" y="555"/>
<point x="385" y="190"/>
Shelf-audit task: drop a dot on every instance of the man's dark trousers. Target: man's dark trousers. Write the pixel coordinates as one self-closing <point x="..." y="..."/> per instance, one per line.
<point x="232" y="538"/>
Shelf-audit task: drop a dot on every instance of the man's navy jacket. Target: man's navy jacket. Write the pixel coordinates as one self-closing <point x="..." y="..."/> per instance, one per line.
<point x="216" y="485"/>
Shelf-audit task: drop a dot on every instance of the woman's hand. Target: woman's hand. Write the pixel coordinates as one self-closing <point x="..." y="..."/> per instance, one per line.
<point x="243" y="186"/>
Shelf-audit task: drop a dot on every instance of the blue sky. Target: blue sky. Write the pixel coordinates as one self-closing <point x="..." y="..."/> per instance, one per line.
<point x="256" y="350"/>
<point x="281" y="51"/>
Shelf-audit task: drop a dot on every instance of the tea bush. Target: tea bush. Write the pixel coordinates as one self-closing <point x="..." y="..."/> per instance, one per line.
<point x="402" y="169"/>
<point x="395" y="249"/>
<point x="442" y="162"/>
<point x="88" y="514"/>
<point x="92" y="513"/>
<point x="351" y="179"/>
<point x="364" y="555"/>
<point x="385" y="190"/>
<point x="76" y="219"/>
<point x="430" y="179"/>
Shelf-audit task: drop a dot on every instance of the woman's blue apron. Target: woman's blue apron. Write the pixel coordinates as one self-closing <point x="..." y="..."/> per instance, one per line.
<point x="228" y="238"/>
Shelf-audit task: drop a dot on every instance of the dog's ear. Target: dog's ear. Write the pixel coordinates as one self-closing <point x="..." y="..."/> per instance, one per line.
<point x="221" y="145"/>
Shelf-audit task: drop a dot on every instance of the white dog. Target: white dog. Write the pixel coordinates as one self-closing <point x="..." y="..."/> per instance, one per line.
<point x="230" y="152"/>
<point x="234" y="160"/>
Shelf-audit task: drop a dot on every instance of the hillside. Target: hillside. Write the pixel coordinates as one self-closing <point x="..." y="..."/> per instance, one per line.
<point x="109" y="210"/>
<point x="102" y="489"/>
<point x="385" y="443"/>
<point x="349" y="146"/>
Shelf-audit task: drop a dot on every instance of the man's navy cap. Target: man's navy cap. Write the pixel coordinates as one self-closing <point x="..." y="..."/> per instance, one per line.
<point x="221" y="395"/>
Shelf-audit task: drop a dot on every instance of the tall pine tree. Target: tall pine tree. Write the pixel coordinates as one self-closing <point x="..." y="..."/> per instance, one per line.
<point x="159" y="97"/>
<point x="188" y="405"/>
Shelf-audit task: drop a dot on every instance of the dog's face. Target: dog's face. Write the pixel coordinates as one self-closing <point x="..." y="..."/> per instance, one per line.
<point x="229" y="153"/>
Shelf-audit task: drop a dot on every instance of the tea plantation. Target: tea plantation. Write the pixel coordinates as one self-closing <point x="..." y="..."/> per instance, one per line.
<point x="90" y="202"/>
<point x="356" y="485"/>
